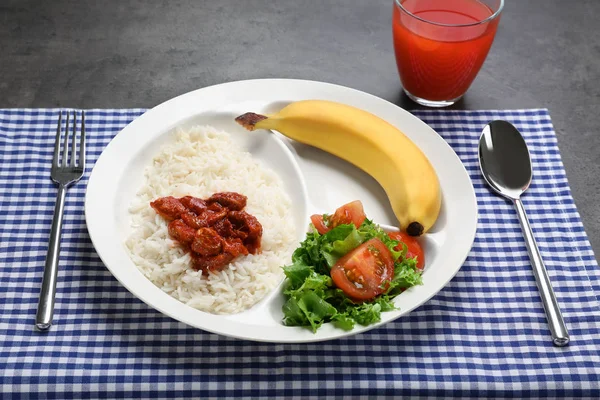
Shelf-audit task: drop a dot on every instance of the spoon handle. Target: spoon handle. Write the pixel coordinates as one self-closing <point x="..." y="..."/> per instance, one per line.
<point x="558" y="329"/>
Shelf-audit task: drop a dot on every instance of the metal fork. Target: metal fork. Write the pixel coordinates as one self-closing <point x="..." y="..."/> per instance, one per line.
<point x="64" y="173"/>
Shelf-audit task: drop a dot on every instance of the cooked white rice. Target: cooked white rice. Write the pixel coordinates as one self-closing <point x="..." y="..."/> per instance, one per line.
<point x="201" y="162"/>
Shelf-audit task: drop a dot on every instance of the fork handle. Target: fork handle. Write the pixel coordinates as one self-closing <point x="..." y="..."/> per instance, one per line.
<point x="45" y="311"/>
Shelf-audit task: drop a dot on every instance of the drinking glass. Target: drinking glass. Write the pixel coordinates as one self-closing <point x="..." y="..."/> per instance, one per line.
<point x="440" y="46"/>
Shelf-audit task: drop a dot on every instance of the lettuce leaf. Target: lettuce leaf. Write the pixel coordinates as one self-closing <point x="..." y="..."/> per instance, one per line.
<point x="366" y="313"/>
<point x="315" y="308"/>
<point x="406" y="274"/>
<point x="297" y="274"/>
<point x="344" y="321"/>
<point x="307" y="308"/>
<point x="339" y="241"/>
<point x="293" y="315"/>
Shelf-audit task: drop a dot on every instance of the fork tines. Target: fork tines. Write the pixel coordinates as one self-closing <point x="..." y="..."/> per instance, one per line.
<point x="72" y="158"/>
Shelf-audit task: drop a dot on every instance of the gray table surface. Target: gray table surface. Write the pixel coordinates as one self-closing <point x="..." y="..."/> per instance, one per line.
<point x="134" y="53"/>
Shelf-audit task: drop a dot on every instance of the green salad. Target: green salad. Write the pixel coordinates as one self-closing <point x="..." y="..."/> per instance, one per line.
<point x="347" y="275"/>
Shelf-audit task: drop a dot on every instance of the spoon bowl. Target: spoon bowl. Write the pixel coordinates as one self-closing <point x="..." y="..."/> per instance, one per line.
<point x="504" y="159"/>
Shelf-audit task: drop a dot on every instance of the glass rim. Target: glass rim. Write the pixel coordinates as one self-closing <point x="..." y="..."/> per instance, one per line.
<point x="483" y="21"/>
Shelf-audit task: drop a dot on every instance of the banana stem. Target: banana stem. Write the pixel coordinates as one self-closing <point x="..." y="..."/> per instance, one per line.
<point x="249" y="120"/>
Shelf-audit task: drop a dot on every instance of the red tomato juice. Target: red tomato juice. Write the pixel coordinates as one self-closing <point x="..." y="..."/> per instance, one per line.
<point x="438" y="62"/>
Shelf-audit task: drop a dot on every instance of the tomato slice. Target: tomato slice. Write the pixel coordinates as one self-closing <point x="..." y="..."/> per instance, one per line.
<point x="362" y="272"/>
<point x="414" y="249"/>
<point x="351" y="213"/>
<point x="317" y="221"/>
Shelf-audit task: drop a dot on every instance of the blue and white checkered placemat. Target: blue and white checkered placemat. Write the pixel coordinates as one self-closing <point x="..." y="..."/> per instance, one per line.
<point x="485" y="334"/>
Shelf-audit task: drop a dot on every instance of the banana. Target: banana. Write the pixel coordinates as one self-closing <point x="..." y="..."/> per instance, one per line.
<point x="371" y="144"/>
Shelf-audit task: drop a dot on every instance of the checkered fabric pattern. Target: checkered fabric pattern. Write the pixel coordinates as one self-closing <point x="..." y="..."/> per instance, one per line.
<point x="483" y="335"/>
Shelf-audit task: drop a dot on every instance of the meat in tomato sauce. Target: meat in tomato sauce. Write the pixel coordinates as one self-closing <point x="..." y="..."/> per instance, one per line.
<point x="215" y="230"/>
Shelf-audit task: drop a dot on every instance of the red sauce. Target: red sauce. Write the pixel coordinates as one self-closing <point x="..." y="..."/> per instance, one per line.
<point x="215" y="230"/>
<point x="438" y="62"/>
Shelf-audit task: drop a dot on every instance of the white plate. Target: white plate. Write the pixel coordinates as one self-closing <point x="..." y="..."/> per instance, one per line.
<point x="316" y="181"/>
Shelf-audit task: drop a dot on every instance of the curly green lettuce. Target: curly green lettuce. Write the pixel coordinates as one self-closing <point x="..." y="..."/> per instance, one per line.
<point x="312" y="298"/>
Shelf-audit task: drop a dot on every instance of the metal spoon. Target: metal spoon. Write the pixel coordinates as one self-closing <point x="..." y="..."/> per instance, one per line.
<point x="506" y="166"/>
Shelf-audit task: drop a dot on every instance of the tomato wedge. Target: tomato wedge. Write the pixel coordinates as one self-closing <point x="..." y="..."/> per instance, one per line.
<point x="317" y="221"/>
<point x="351" y="213"/>
<point x="414" y="249"/>
<point x="361" y="274"/>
